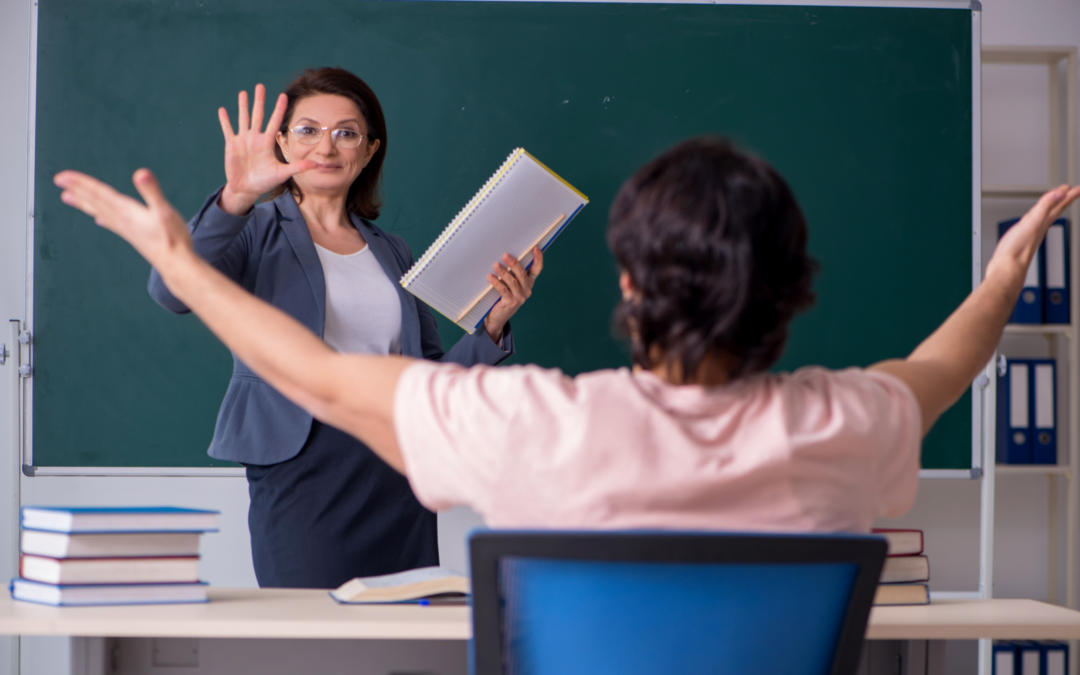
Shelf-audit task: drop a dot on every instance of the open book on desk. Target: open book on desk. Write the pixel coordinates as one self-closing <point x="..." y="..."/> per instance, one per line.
<point x="524" y="205"/>
<point x="425" y="585"/>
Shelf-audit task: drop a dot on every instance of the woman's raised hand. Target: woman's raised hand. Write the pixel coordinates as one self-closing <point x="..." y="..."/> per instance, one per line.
<point x="251" y="167"/>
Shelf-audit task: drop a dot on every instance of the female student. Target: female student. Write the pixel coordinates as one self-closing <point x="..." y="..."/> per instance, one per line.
<point x="698" y="435"/>
<point x="324" y="508"/>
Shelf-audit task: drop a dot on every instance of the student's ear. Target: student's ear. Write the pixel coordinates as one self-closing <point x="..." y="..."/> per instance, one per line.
<point x="626" y="285"/>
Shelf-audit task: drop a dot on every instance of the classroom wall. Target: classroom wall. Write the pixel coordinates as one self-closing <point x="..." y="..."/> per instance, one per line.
<point x="948" y="510"/>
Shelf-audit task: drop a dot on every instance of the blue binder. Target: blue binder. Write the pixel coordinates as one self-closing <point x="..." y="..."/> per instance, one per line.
<point x="1056" y="273"/>
<point x="1029" y="307"/>
<point x="1013" y="412"/>
<point x="1004" y="659"/>
<point x="1028" y="657"/>
<point x="1043" y="407"/>
<point x="1055" y="657"/>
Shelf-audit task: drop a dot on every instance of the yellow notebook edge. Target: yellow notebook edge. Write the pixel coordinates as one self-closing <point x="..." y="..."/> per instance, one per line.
<point x="461" y="217"/>
<point x="557" y="176"/>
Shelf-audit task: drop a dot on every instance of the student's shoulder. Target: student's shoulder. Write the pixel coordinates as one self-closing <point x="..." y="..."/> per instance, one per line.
<point x="858" y="386"/>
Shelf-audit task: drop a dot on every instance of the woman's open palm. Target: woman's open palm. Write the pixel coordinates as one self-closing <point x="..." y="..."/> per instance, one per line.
<point x="251" y="167"/>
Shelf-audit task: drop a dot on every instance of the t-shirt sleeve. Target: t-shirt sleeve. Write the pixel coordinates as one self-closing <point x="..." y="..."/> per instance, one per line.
<point x="459" y="429"/>
<point x="899" y="442"/>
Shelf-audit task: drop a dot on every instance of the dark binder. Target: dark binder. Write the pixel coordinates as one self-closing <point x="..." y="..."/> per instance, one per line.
<point x="1013" y="412"/>
<point x="1056" y="275"/>
<point x="1029" y="307"/>
<point x="1043" y="411"/>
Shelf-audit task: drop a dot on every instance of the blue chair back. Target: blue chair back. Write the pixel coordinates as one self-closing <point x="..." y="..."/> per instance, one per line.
<point x="563" y="603"/>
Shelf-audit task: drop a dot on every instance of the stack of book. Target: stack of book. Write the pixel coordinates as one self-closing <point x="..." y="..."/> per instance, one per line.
<point x="1029" y="657"/>
<point x="111" y="556"/>
<point x="906" y="570"/>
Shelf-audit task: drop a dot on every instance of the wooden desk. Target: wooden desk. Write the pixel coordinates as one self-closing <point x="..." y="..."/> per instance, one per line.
<point x="284" y="613"/>
<point x="288" y="631"/>
<point x="973" y="619"/>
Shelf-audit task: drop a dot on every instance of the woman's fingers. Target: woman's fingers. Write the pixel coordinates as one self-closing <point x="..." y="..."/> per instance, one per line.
<point x="537" y="264"/>
<point x="226" y="125"/>
<point x="521" y="277"/>
<point x="514" y="282"/>
<point x="259" y="109"/>
<point x="244" y="120"/>
<point x="500" y="286"/>
<point x="278" y="115"/>
<point x="290" y="169"/>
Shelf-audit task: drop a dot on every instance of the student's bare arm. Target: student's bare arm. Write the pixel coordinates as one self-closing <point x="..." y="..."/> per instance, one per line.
<point x="350" y="391"/>
<point x="941" y="369"/>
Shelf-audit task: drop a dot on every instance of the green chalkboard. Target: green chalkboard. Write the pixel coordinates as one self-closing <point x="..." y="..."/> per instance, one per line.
<point x="866" y="111"/>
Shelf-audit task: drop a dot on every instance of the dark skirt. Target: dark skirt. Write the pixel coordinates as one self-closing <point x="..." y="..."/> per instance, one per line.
<point x="334" y="512"/>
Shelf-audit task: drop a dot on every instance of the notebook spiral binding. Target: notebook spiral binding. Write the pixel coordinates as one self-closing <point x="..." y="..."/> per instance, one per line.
<point x="460" y="219"/>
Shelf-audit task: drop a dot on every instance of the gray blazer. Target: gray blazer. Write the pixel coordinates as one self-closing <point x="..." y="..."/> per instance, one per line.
<point x="270" y="253"/>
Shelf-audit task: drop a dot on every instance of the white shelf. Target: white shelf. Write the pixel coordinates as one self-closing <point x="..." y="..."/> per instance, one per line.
<point x="1015" y="191"/>
<point x="1059" y="64"/>
<point x="1040" y="329"/>
<point x="1033" y="470"/>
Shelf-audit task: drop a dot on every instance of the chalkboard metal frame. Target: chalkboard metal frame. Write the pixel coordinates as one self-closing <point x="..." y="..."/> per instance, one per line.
<point x="982" y="416"/>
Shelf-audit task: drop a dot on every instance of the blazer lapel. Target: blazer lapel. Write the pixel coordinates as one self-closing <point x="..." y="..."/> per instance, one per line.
<point x="410" y="321"/>
<point x="296" y="231"/>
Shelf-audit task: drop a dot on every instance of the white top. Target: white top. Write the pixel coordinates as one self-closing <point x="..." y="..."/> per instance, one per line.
<point x="363" y="311"/>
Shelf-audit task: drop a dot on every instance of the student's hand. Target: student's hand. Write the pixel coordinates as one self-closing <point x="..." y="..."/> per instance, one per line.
<point x="514" y="284"/>
<point x="251" y="167"/>
<point x="942" y="367"/>
<point x="155" y="229"/>
<point x="1018" y="246"/>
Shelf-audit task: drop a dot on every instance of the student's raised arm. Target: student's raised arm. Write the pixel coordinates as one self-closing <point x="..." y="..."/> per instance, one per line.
<point x="282" y="351"/>
<point x="941" y="369"/>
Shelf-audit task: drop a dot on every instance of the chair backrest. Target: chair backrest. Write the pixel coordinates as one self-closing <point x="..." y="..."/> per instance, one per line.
<point x="563" y="603"/>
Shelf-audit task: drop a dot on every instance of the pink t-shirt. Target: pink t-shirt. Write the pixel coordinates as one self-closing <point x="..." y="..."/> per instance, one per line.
<point x="813" y="450"/>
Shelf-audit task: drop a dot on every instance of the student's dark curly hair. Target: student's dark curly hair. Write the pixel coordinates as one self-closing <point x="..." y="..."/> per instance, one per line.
<point x="715" y="246"/>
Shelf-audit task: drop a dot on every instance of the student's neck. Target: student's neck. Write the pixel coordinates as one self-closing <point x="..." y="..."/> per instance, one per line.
<point x="713" y="371"/>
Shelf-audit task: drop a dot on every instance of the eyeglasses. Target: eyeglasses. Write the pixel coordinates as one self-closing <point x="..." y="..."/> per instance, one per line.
<point x="342" y="138"/>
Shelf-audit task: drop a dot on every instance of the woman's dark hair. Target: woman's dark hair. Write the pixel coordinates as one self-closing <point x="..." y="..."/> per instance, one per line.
<point x="715" y="246"/>
<point x="363" y="198"/>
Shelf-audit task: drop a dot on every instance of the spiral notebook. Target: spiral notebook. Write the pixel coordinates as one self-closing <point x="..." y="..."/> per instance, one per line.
<point x="524" y="205"/>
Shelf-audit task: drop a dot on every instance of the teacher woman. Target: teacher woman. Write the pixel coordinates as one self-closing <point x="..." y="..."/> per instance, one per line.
<point x="324" y="508"/>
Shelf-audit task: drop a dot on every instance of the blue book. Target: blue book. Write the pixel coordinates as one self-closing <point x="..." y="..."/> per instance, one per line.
<point x="73" y="595"/>
<point x="118" y="519"/>
<point x="1056" y="306"/>
<point x="1004" y="661"/>
<point x="1055" y="657"/>
<point x="1043" y="408"/>
<point x="1029" y="307"/>
<point x="1013" y="418"/>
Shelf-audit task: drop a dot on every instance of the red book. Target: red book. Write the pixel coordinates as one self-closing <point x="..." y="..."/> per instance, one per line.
<point x="902" y="542"/>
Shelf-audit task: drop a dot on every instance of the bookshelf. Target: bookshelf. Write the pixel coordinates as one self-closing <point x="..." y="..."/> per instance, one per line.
<point x="1059" y="66"/>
